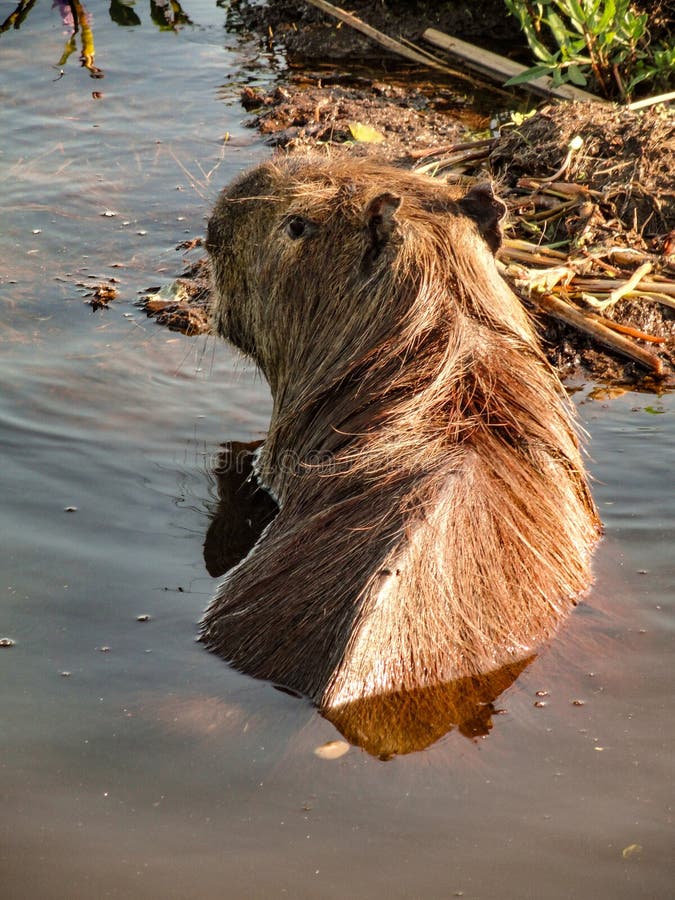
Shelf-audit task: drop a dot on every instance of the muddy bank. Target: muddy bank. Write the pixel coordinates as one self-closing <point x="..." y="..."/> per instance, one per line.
<point x="589" y="190"/>
<point x="308" y="36"/>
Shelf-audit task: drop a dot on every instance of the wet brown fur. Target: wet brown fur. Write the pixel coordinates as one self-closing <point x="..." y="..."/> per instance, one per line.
<point x="435" y="521"/>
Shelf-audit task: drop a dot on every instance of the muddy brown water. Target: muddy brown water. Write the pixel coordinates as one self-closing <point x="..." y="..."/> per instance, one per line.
<point x="133" y="764"/>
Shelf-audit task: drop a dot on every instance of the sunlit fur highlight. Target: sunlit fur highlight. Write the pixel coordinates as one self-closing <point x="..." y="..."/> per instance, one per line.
<point x="453" y="529"/>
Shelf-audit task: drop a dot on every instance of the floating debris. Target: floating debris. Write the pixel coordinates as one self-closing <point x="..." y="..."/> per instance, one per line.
<point x="632" y="850"/>
<point x="183" y="304"/>
<point x="101" y="296"/>
<point x="332" y="750"/>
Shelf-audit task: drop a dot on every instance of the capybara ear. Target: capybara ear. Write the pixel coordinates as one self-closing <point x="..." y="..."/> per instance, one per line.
<point x="487" y="211"/>
<point x="381" y="219"/>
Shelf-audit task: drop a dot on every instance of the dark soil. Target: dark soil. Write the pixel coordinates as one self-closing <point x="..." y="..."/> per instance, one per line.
<point x="308" y="36"/>
<point x="306" y="113"/>
<point x="623" y="169"/>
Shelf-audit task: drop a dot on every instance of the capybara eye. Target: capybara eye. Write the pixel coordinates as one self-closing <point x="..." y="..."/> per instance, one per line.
<point x="297" y="227"/>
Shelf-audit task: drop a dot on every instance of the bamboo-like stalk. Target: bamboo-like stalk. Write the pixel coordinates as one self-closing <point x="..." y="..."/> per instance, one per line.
<point x="607" y="285"/>
<point x="564" y="311"/>
<point x="556" y="188"/>
<point x="628" y="330"/>
<point x="539" y="250"/>
<point x="654" y="297"/>
<point x="651" y="101"/>
<point x="457" y="159"/>
<point x="416" y="55"/>
<point x="488" y="143"/>
<point x="528" y="257"/>
<point x="630" y="285"/>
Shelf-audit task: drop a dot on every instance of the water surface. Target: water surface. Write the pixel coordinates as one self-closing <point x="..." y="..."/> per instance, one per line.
<point x="132" y="762"/>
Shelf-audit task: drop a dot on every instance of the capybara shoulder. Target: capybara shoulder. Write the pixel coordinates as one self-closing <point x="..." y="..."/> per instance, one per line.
<point x="435" y="521"/>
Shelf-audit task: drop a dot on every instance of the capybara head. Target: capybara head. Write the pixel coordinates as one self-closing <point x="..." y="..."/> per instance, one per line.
<point x="311" y="261"/>
<point x="435" y="521"/>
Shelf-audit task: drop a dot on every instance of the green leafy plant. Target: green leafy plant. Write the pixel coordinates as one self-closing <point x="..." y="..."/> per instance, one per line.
<point x="602" y="41"/>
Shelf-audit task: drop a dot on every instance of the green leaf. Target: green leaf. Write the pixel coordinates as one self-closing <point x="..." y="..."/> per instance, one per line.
<point x="576" y="14"/>
<point x="576" y="76"/>
<point x="543" y="53"/>
<point x="652" y="410"/>
<point x="592" y="18"/>
<point x="558" y="30"/>
<point x="607" y="16"/>
<point x="641" y="76"/>
<point x="528" y="75"/>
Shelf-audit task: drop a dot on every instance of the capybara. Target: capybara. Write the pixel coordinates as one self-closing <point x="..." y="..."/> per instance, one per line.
<point x="385" y="724"/>
<point x="435" y="521"/>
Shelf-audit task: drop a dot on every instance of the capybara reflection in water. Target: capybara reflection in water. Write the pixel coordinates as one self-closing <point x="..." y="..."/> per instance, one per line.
<point x="434" y="519"/>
